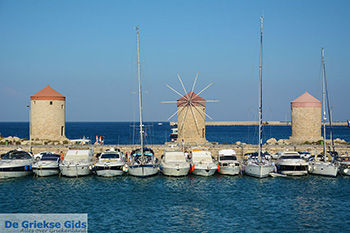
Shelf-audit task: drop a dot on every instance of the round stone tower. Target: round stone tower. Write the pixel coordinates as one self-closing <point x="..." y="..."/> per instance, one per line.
<point x="47" y="115"/>
<point x="306" y="119"/>
<point x="191" y="119"/>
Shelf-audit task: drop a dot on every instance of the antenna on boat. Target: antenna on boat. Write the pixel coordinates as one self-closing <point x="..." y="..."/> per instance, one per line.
<point x="140" y="94"/>
<point x="260" y="88"/>
<point x="323" y="103"/>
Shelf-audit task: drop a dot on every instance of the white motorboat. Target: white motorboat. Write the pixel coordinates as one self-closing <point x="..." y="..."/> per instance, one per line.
<point x="228" y="163"/>
<point x="291" y="163"/>
<point x="203" y="163"/>
<point x="110" y="163"/>
<point x="258" y="166"/>
<point x="15" y="163"/>
<point x="46" y="164"/>
<point x="143" y="163"/>
<point x="77" y="162"/>
<point x="174" y="163"/>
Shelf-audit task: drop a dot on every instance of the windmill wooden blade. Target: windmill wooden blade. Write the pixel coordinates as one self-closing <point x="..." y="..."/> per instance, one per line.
<point x="205" y="88"/>
<point x="200" y="113"/>
<point x="182" y="84"/>
<point x="204" y="113"/>
<point x="195" y="119"/>
<point x="178" y="110"/>
<point x="194" y="83"/>
<point x="175" y="91"/>
<point x="209" y="101"/>
<point x="168" y="102"/>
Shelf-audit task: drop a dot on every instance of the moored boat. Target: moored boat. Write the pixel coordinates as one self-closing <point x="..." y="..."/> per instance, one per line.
<point x="344" y="165"/>
<point x="228" y="163"/>
<point x="203" y="163"/>
<point x="110" y="163"/>
<point x="258" y="166"/>
<point x="46" y="164"/>
<point x="174" y="163"/>
<point x="15" y="163"/>
<point x="77" y="162"/>
<point x="325" y="164"/>
<point x="291" y="163"/>
<point x="143" y="163"/>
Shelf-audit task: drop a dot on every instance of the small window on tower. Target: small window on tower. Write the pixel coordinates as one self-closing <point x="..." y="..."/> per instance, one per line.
<point x="50" y="102"/>
<point x="62" y="106"/>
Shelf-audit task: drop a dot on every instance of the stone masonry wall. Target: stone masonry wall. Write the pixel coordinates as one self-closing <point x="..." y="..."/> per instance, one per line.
<point x="306" y="124"/>
<point x="46" y="120"/>
<point x="187" y="129"/>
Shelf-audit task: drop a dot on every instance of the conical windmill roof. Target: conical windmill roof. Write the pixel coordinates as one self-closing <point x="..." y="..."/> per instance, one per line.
<point x="306" y="100"/>
<point x="196" y="99"/>
<point x="47" y="94"/>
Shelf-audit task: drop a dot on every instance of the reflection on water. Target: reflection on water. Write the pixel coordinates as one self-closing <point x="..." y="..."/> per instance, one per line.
<point x="187" y="204"/>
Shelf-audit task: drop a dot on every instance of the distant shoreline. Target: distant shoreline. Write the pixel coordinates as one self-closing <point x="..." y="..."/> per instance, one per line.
<point x="244" y="123"/>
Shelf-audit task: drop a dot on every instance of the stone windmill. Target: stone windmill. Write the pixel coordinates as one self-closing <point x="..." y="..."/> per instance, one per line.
<point x="190" y="114"/>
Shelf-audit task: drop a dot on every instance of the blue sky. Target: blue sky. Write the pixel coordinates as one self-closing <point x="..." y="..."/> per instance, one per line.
<point x="86" y="50"/>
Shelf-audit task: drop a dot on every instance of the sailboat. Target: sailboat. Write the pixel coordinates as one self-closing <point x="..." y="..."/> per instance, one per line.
<point x="142" y="162"/>
<point x="324" y="164"/>
<point x="259" y="166"/>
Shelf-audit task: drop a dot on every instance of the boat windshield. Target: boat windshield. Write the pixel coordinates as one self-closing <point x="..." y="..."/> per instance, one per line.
<point x="109" y="156"/>
<point x="174" y="157"/>
<point x="201" y="156"/>
<point x="290" y="157"/>
<point x="228" y="157"/>
<point x="50" y="157"/>
<point x="17" y="155"/>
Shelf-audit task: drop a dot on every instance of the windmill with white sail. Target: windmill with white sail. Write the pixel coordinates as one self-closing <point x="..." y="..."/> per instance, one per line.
<point x="190" y="113"/>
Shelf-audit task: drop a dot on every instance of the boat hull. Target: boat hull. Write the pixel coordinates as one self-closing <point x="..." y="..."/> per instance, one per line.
<point x="293" y="169"/>
<point x="324" y="169"/>
<point x="203" y="172"/>
<point x="345" y="171"/>
<point x="14" y="174"/>
<point x="46" y="171"/>
<point x="294" y="173"/>
<point x="232" y="171"/>
<point x="75" y="171"/>
<point x="143" y="170"/>
<point x="174" y="171"/>
<point x="109" y="171"/>
<point x="258" y="170"/>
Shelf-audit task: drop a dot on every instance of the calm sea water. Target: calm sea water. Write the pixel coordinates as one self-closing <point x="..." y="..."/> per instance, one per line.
<point x="188" y="204"/>
<point x="127" y="133"/>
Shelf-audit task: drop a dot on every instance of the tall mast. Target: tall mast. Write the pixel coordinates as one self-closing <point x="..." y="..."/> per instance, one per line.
<point x="323" y="103"/>
<point x="260" y="89"/>
<point x="140" y="94"/>
<point x="328" y="108"/>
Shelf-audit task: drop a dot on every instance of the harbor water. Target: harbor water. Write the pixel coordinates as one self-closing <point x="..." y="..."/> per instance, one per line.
<point x="188" y="204"/>
<point x="155" y="133"/>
